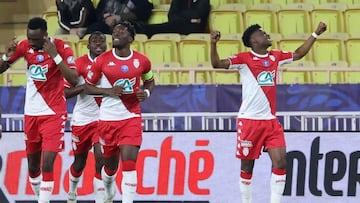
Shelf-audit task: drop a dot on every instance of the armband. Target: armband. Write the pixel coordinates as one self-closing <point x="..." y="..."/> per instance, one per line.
<point x="314" y="35"/>
<point x="57" y="59"/>
<point x="148" y="93"/>
<point x="5" y="58"/>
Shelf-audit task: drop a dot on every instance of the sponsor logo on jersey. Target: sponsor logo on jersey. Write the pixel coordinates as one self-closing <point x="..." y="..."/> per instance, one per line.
<point x="38" y="72"/>
<point x="39" y="58"/>
<point x="128" y="85"/>
<point x="266" y="78"/>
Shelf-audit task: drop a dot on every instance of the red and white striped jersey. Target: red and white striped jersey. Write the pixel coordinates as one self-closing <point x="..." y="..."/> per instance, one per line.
<point x="258" y="78"/>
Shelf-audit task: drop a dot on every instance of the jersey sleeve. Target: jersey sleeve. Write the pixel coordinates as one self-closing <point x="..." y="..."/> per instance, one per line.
<point x="286" y="57"/>
<point x="19" y="52"/>
<point x="95" y="72"/>
<point x="235" y="61"/>
<point x="66" y="53"/>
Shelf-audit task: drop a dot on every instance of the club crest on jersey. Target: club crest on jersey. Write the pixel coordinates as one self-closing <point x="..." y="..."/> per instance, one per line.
<point x="128" y="85"/>
<point x="136" y="63"/>
<point x="124" y="68"/>
<point x="39" y="58"/>
<point x="38" y="72"/>
<point x="266" y="78"/>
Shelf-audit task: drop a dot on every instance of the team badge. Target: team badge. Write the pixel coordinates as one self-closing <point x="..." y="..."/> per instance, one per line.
<point x="245" y="151"/>
<point x="39" y="58"/>
<point x="266" y="63"/>
<point x="136" y="63"/>
<point x="124" y="68"/>
<point x="70" y="59"/>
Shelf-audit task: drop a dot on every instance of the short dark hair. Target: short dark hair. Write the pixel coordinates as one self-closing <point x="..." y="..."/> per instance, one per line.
<point x="37" y="23"/>
<point x="247" y="34"/>
<point x="130" y="28"/>
<point x="96" y="33"/>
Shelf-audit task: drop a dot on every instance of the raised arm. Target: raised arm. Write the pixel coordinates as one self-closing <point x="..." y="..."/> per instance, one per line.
<point x="216" y="62"/>
<point x="306" y="46"/>
<point x="4" y="65"/>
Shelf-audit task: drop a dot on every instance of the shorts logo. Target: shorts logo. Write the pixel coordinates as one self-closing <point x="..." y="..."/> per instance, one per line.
<point x="38" y="72"/>
<point x="245" y="144"/>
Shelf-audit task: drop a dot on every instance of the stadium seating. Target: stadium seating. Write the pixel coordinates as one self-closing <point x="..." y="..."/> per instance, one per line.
<point x="15" y="78"/>
<point x="294" y="19"/>
<point x="264" y="15"/>
<point x="292" y="42"/>
<point x="194" y="48"/>
<point x="298" y="76"/>
<point x="352" y="15"/>
<point x="71" y="40"/>
<point x="159" y="15"/>
<point x="138" y="43"/>
<point x="229" y="44"/>
<point x="164" y="75"/>
<point x="332" y="14"/>
<point x="352" y="50"/>
<point x="229" y="13"/>
<point x="162" y="48"/>
<point x="50" y="15"/>
<point x="330" y="47"/>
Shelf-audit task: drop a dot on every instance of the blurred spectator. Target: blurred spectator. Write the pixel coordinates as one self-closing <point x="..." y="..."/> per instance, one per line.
<point x="74" y="16"/>
<point x="184" y="17"/>
<point x="111" y="12"/>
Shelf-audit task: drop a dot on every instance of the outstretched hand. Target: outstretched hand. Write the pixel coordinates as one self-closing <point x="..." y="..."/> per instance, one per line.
<point x="215" y="36"/>
<point x="116" y="90"/>
<point x="321" y="28"/>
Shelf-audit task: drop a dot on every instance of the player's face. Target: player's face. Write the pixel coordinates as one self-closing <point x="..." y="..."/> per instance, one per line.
<point x="262" y="38"/>
<point x="121" y="37"/>
<point x="97" y="45"/>
<point x="36" y="38"/>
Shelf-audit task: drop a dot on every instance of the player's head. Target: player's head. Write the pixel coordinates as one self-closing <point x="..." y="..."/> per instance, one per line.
<point x="96" y="43"/>
<point x="123" y="34"/>
<point x="36" y="31"/>
<point x="254" y="35"/>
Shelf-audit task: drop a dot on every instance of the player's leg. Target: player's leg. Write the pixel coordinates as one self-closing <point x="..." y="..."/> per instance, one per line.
<point x="275" y="144"/>
<point x="33" y="151"/>
<point x="47" y="183"/>
<point x="35" y="176"/>
<point x="52" y="131"/>
<point x="247" y="167"/>
<point x="75" y="173"/>
<point x="98" y="183"/>
<point x="278" y="175"/>
<point x="108" y="131"/>
<point x="248" y="148"/>
<point x="129" y="181"/>
<point x="81" y="144"/>
<point x="130" y="141"/>
<point x="111" y="161"/>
